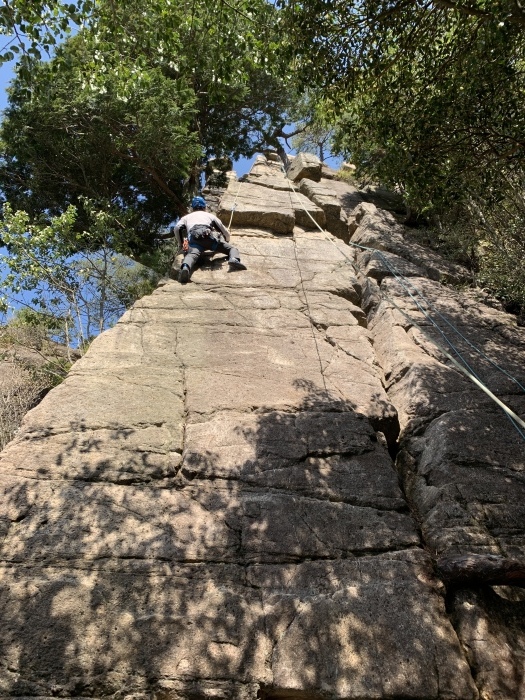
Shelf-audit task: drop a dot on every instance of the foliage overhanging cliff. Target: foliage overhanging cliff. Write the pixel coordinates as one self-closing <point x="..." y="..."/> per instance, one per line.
<point x="424" y="97"/>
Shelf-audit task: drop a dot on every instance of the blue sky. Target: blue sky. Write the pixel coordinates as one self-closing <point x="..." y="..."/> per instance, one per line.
<point x="6" y="73"/>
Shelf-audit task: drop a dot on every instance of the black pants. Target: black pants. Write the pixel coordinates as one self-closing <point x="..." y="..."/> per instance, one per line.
<point x="196" y="249"/>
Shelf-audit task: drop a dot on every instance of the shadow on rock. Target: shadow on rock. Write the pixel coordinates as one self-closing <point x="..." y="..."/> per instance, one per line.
<point x="277" y="561"/>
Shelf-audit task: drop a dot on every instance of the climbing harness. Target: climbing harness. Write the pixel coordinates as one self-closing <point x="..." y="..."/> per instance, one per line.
<point x="200" y="231"/>
<point x="464" y="368"/>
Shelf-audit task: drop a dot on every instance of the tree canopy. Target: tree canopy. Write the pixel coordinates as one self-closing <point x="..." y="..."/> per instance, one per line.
<point x="76" y="293"/>
<point x="428" y="98"/>
<point x="33" y="26"/>
<point x="129" y="110"/>
<point x="424" y="96"/>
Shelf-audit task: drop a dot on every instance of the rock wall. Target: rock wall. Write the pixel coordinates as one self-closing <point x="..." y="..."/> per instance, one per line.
<point x="208" y="506"/>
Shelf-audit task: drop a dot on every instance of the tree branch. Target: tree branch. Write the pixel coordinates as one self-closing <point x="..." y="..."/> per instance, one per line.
<point x="471" y="11"/>
<point x="280" y="133"/>
<point x="515" y="17"/>
<point x="153" y="174"/>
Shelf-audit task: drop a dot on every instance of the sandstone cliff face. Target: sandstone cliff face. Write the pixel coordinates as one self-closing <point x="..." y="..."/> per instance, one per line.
<point x="208" y="506"/>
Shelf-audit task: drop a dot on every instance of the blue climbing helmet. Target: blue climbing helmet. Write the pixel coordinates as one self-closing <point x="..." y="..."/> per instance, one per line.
<point x="198" y="203"/>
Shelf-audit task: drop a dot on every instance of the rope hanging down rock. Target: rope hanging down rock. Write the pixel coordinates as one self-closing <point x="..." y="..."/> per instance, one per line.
<point x="234" y="206"/>
<point x="464" y="368"/>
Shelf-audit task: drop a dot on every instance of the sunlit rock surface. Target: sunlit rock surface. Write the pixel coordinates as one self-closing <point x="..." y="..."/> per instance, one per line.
<point x="208" y="507"/>
<point x="305" y="165"/>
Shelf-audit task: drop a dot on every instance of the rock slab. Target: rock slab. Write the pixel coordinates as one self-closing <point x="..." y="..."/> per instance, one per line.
<point x="208" y="508"/>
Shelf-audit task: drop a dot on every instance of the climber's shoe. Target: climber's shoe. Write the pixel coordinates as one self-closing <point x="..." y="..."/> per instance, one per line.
<point x="236" y="264"/>
<point x="184" y="275"/>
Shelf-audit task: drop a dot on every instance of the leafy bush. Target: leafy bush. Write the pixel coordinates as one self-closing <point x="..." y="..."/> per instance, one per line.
<point x="20" y="390"/>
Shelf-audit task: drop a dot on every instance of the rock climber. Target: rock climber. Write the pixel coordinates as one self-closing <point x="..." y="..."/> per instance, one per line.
<point x="201" y="231"/>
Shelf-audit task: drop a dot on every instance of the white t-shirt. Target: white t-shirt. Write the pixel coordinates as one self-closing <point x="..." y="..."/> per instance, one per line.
<point x="201" y="218"/>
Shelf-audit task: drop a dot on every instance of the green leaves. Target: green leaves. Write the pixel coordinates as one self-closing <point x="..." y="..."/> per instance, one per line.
<point x="81" y="292"/>
<point x="429" y="96"/>
<point x="429" y="99"/>
<point x="94" y="124"/>
<point x="33" y="25"/>
<point x="130" y="109"/>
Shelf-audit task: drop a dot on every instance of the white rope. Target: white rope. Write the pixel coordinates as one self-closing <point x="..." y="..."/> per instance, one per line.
<point x="304" y="293"/>
<point x="472" y="376"/>
<point x="465" y="368"/>
<point x="234" y="205"/>
<point x="312" y="327"/>
<point x="407" y="284"/>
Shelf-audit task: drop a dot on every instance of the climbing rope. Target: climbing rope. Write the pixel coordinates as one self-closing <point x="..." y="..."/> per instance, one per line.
<point x="234" y="207"/>
<point x="305" y="295"/>
<point x="406" y="284"/>
<point x="302" y="287"/>
<point x="465" y="368"/>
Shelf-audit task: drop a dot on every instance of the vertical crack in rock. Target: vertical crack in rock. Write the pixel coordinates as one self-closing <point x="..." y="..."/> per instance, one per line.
<point x="309" y="314"/>
<point x="184" y="393"/>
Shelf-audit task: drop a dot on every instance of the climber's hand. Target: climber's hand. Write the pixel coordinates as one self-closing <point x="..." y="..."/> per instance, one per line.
<point x="185" y="245"/>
